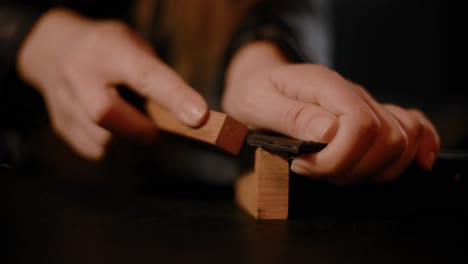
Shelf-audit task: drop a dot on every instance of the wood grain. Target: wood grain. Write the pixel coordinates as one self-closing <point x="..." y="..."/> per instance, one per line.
<point x="219" y="129"/>
<point x="264" y="192"/>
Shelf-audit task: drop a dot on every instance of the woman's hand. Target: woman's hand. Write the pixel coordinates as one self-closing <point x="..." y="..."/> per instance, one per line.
<point x="367" y="141"/>
<point x="75" y="63"/>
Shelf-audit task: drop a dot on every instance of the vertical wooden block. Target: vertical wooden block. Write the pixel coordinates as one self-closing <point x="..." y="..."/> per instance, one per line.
<point x="264" y="193"/>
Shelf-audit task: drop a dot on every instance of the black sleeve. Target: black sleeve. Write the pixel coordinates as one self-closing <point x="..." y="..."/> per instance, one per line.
<point x="16" y="20"/>
<point x="16" y="99"/>
<point x="267" y="20"/>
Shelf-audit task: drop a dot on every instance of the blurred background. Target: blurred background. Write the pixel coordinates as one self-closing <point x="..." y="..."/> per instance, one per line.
<point x="409" y="53"/>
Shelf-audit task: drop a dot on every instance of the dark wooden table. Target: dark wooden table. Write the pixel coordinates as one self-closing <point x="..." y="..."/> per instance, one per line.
<point x="410" y="221"/>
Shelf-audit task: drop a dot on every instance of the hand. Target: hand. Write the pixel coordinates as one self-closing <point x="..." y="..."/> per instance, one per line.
<point x="75" y="63"/>
<point x="367" y="141"/>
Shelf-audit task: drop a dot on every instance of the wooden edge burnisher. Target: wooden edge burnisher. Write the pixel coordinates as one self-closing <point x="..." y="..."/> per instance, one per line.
<point x="219" y="129"/>
<point x="264" y="192"/>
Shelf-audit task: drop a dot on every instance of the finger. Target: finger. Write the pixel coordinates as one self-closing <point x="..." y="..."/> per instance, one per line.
<point x="96" y="133"/>
<point x="106" y="108"/>
<point x="414" y="129"/>
<point x="296" y="119"/>
<point x="358" y="125"/>
<point x="430" y="143"/>
<point x="156" y="81"/>
<point x="68" y="122"/>
<point x="388" y="147"/>
<point x="83" y="144"/>
<point x="124" y="119"/>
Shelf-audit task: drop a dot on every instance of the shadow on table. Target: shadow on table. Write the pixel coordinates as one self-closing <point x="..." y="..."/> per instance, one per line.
<point x="442" y="191"/>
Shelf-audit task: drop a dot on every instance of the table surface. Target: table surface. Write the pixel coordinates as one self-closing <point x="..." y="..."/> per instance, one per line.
<point x="49" y="221"/>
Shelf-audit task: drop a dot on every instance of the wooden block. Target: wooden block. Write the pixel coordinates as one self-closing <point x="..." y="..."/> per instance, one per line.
<point x="219" y="129"/>
<point x="264" y="192"/>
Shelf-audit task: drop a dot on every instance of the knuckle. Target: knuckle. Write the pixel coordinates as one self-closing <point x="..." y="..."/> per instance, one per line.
<point x="93" y="38"/>
<point x="110" y="28"/>
<point x="416" y="127"/>
<point x="325" y="72"/>
<point x="142" y="82"/>
<point x="293" y="119"/>
<point x="316" y="68"/>
<point x="397" y="142"/>
<point x="106" y="32"/>
<point x="368" y="125"/>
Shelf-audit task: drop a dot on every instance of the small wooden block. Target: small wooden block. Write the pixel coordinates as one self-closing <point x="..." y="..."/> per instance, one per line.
<point x="219" y="129"/>
<point x="264" y="193"/>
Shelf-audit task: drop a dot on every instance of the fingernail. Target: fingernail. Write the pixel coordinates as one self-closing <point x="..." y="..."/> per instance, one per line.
<point x="326" y="128"/>
<point x="429" y="161"/>
<point x="298" y="169"/>
<point x="194" y="113"/>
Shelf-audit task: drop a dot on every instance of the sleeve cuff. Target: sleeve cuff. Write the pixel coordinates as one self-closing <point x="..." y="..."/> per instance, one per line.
<point x="275" y="33"/>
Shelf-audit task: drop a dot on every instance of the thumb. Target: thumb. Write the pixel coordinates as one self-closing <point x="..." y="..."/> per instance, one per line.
<point x="293" y="118"/>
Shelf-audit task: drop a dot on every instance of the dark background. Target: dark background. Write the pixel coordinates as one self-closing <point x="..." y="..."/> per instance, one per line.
<point x="407" y="52"/>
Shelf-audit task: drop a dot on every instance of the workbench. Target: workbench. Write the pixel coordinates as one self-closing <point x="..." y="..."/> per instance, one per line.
<point x="411" y="221"/>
